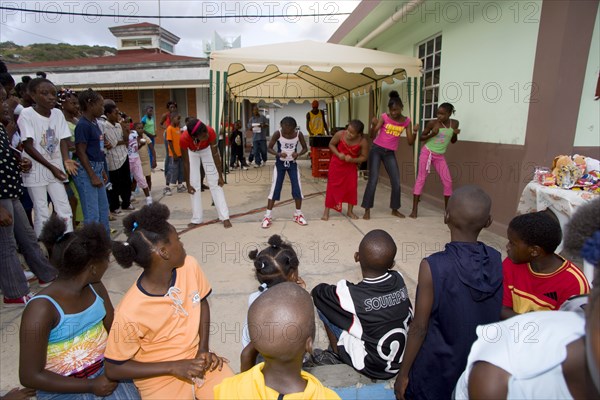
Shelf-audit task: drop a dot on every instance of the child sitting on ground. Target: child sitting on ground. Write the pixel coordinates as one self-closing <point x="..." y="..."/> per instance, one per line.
<point x="535" y="278"/>
<point x="458" y="289"/>
<point x="135" y="164"/>
<point x="273" y="265"/>
<point x="282" y="328"/>
<point x="367" y="323"/>
<point x="160" y="334"/>
<point x="64" y="328"/>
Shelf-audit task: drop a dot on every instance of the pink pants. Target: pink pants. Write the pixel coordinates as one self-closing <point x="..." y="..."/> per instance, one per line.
<point x="426" y="159"/>
<point x="135" y="166"/>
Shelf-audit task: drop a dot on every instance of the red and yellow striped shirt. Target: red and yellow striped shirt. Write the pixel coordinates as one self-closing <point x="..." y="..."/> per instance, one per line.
<point x="526" y="290"/>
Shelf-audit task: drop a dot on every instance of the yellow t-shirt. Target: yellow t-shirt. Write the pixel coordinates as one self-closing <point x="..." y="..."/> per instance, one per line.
<point x="174" y="134"/>
<point x="154" y="328"/>
<point x="251" y="385"/>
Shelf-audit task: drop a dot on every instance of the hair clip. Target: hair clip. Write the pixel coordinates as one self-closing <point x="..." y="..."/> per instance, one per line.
<point x="61" y="237"/>
<point x="263" y="286"/>
<point x="262" y="265"/>
<point x="135" y="226"/>
<point x="125" y="243"/>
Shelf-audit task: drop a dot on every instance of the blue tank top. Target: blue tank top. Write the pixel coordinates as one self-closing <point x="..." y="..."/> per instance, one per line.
<point x="467" y="287"/>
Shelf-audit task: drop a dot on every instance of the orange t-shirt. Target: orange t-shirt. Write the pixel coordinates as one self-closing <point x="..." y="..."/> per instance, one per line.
<point x="155" y="328"/>
<point x="174" y="134"/>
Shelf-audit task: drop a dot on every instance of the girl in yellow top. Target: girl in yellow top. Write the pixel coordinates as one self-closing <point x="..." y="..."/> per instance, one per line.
<point x="159" y="337"/>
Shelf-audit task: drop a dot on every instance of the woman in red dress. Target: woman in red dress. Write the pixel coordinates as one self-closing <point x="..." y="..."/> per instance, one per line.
<point x="349" y="149"/>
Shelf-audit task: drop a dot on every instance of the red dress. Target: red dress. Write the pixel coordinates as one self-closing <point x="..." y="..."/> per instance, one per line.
<point x="342" y="180"/>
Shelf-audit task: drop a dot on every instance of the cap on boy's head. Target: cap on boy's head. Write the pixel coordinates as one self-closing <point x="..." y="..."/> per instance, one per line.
<point x="469" y="209"/>
<point x="377" y="251"/>
<point x="537" y="229"/>
<point x="315" y="103"/>
<point x="281" y="321"/>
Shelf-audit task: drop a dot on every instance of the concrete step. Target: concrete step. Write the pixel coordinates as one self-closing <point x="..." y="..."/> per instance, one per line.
<point x="350" y="385"/>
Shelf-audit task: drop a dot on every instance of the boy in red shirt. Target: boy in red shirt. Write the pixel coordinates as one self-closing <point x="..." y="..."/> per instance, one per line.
<point x="535" y="278"/>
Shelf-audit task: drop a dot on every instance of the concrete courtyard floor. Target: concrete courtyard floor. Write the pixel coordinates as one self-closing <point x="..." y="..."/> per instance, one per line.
<point x="325" y="249"/>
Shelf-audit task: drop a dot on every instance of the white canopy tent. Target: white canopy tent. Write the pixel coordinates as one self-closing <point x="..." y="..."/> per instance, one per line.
<point x="308" y="70"/>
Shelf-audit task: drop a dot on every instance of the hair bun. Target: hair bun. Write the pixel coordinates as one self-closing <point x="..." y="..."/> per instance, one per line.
<point x="275" y="241"/>
<point x="253" y="254"/>
<point x="393" y="94"/>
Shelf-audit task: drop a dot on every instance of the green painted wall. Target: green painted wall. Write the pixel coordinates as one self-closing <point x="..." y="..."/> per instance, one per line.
<point x="588" y="121"/>
<point x="488" y="53"/>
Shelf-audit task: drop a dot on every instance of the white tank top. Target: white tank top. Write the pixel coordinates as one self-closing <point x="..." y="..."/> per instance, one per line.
<point x="287" y="147"/>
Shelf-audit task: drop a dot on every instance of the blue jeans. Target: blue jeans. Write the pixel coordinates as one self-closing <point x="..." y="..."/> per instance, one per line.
<point x="376" y="155"/>
<point x="167" y="159"/>
<point x="175" y="171"/>
<point x="94" y="201"/>
<point x="126" y="390"/>
<point x="260" y="151"/>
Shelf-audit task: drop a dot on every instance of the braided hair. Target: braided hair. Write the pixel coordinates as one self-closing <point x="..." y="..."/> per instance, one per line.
<point x="274" y="264"/>
<point x="63" y="95"/>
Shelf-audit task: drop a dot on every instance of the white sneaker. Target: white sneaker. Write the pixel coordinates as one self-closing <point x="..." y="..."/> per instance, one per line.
<point x="300" y="220"/>
<point x="245" y="168"/>
<point x="257" y="165"/>
<point x="29" y="275"/>
<point x="167" y="191"/>
<point x="148" y="200"/>
<point x="266" y="222"/>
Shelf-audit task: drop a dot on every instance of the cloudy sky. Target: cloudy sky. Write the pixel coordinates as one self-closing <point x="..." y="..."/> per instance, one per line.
<point x="24" y="27"/>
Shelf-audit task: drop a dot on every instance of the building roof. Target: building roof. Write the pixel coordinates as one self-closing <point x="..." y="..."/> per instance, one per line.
<point x="123" y="60"/>
<point x="144" y="29"/>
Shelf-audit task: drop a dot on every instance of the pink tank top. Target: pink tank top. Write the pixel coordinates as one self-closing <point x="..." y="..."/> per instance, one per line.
<point x="390" y="132"/>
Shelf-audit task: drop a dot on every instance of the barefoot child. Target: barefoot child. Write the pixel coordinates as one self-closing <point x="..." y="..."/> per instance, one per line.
<point x="458" y="289"/>
<point x="367" y="322"/>
<point x="281" y="375"/>
<point x="536" y="278"/>
<point x="273" y="265"/>
<point x="287" y="140"/>
<point x="349" y="149"/>
<point x="64" y="327"/>
<point x="437" y="135"/>
<point x="167" y="351"/>
<point x="388" y="128"/>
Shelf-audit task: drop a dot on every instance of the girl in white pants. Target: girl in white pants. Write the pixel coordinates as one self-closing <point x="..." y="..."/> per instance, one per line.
<point x="199" y="147"/>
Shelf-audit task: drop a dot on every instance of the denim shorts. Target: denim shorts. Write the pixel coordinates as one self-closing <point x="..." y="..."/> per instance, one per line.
<point x="337" y="331"/>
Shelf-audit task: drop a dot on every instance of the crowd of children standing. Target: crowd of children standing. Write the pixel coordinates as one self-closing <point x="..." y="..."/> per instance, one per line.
<point x="372" y="325"/>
